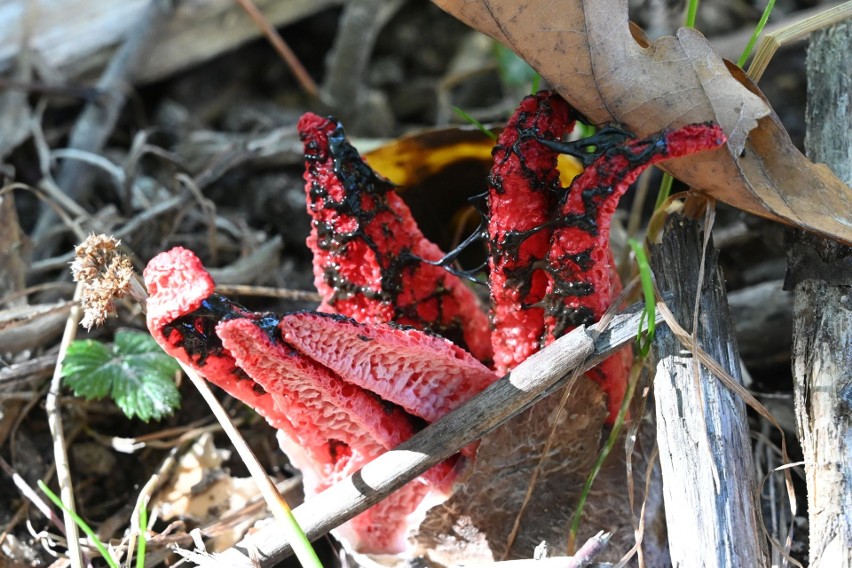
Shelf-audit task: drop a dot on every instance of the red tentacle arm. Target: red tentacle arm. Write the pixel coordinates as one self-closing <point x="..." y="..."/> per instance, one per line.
<point x="425" y="374"/>
<point x="582" y="282"/>
<point x="369" y="252"/>
<point x="182" y="313"/>
<point x="337" y="428"/>
<point x="521" y="198"/>
<point x="329" y="426"/>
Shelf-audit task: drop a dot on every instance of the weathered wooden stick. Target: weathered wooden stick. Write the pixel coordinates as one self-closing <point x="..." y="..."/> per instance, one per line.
<point x="77" y="36"/>
<point x="532" y="380"/>
<point x="821" y="275"/>
<point x="705" y="455"/>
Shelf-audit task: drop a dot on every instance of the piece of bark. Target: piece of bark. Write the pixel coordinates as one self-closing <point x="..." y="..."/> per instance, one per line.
<point x="78" y="36"/>
<point x="702" y="432"/>
<point x="821" y="275"/>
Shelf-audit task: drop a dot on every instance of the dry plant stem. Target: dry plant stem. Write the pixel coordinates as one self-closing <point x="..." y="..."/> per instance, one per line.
<point x="589" y="551"/>
<point x="252" y="267"/>
<point x="360" y="24"/>
<point x="54" y="420"/>
<point x="277" y="505"/>
<point x="145" y="497"/>
<point x="268" y="292"/>
<point x="540" y="375"/>
<point x="31" y="495"/>
<point x="716" y="522"/>
<point x="730" y="45"/>
<point x="98" y="119"/>
<point x="796" y="31"/>
<point x="650" y="477"/>
<point x="302" y="76"/>
<point x="820" y="272"/>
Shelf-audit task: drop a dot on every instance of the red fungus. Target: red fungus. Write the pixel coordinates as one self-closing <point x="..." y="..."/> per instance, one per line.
<point x="425" y="374"/>
<point x="521" y="198"/>
<point x="551" y="265"/>
<point x="582" y="280"/>
<point x="342" y="392"/>
<point x="178" y="287"/>
<point x="329" y="426"/>
<point x="369" y="253"/>
<point x="337" y="428"/>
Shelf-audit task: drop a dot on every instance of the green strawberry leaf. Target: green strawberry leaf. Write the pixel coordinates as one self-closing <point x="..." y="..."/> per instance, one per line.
<point x="134" y="371"/>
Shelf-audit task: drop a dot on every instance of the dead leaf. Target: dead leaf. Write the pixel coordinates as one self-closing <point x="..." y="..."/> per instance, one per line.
<point x="417" y="158"/>
<point x="585" y="49"/>
<point x="203" y="491"/>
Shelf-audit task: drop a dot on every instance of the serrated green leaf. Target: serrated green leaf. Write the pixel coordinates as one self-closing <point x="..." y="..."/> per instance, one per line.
<point x="145" y="394"/>
<point x="86" y="369"/>
<point x="135" y="372"/>
<point x="128" y="342"/>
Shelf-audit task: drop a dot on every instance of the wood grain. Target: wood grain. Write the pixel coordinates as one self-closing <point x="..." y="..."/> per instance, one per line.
<point x="702" y="432"/>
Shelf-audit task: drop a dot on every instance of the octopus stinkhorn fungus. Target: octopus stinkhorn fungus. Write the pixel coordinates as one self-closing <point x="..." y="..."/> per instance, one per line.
<point x="302" y="372"/>
<point x="371" y="262"/>
<point x="348" y="382"/>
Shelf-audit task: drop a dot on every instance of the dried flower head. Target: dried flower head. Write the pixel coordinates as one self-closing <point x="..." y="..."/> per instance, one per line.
<point x="106" y="274"/>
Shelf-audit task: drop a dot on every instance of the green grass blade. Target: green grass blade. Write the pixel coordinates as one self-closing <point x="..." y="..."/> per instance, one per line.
<point x="691" y="12"/>
<point x="664" y="191"/>
<point x="605" y="451"/>
<point x="535" y="83"/>
<point x="142" y="542"/>
<point x="649" y="315"/>
<point x="756" y="33"/>
<point x="80" y="523"/>
<point x="479" y="126"/>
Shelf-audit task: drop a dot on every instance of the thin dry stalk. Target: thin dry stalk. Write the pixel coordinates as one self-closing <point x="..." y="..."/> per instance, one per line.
<point x="277" y="505"/>
<point x="54" y="420"/>
<point x="305" y="81"/>
<point x="771" y="42"/>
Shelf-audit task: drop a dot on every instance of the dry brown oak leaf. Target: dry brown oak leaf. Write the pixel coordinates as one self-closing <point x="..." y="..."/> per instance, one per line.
<point x="605" y="68"/>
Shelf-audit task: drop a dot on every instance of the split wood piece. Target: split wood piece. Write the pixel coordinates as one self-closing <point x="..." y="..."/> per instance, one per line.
<point x="534" y="379"/>
<point x="77" y="36"/>
<point x="705" y="454"/>
<point x="821" y="277"/>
